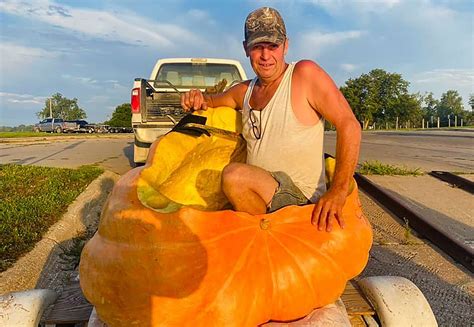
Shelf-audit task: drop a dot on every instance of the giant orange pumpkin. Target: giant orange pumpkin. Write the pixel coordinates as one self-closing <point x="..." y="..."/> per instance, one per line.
<point x="160" y="257"/>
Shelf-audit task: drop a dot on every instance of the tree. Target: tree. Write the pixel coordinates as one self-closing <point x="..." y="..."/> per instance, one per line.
<point x="380" y="97"/>
<point x="62" y="107"/>
<point x="450" y="105"/>
<point x="429" y="106"/>
<point x="471" y="101"/>
<point x="122" y="116"/>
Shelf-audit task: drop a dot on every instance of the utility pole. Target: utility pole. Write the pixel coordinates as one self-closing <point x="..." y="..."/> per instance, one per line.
<point x="50" y="109"/>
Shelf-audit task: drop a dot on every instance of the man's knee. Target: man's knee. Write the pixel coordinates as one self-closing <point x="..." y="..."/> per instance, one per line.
<point x="232" y="174"/>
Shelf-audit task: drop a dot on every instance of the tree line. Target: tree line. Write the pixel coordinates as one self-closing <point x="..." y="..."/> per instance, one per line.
<point x="381" y="99"/>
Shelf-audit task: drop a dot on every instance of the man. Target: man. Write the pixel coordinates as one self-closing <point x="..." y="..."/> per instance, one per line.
<point x="283" y="111"/>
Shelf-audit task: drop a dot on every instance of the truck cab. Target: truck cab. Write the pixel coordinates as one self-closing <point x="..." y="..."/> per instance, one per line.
<point x="156" y="102"/>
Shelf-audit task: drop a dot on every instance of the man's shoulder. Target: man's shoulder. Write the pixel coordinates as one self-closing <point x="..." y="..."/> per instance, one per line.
<point x="240" y="88"/>
<point x="306" y="67"/>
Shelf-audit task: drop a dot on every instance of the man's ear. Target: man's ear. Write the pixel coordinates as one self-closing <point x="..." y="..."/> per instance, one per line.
<point x="245" y="48"/>
<point x="285" y="49"/>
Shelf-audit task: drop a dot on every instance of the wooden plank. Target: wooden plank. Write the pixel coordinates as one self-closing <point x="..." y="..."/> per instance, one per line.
<point x="355" y="301"/>
<point x="357" y="321"/>
<point x="70" y="307"/>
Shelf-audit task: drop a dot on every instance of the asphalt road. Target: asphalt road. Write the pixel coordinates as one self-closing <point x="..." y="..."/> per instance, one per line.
<point x="426" y="150"/>
<point x="436" y="150"/>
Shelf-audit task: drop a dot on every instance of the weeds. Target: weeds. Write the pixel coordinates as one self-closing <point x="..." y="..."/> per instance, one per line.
<point x="375" y="167"/>
<point x="408" y="233"/>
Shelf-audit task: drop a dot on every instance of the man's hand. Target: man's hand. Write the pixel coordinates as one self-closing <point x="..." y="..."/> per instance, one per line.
<point x="193" y="100"/>
<point x="328" y="209"/>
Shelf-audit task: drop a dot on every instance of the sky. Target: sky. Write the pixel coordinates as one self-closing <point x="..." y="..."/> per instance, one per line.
<point x="92" y="50"/>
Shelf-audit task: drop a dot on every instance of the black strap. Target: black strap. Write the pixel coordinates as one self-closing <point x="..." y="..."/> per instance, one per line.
<point x="181" y="127"/>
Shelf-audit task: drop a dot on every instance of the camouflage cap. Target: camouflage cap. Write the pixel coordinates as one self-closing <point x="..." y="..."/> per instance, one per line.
<point x="264" y="25"/>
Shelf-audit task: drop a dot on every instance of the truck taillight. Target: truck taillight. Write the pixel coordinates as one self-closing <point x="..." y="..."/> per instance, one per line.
<point x="135" y="101"/>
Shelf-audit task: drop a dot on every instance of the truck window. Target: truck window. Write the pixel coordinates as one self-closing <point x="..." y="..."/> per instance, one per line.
<point x="196" y="75"/>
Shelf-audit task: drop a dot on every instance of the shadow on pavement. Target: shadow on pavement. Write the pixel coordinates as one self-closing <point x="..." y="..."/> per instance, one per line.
<point x="128" y="153"/>
<point x="61" y="266"/>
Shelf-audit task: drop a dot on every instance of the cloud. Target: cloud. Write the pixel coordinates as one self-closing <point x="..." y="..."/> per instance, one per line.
<point x="319" y="42"/>
<point x="89" y="81"/>
<point x="200" y="15"/>
<point x="21" y="98"/>
<point x="349" y="67"/>
<point x="82" y="80"/>
<point x="455" y="77"/>
<point x="365" y="6"/>
<point x="125" y="26"/>
<point x="14" y="56"/>
<point x="330" y="39"/>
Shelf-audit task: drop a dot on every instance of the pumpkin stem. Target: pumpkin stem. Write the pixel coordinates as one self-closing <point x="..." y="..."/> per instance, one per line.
<point x="264" y="223"/>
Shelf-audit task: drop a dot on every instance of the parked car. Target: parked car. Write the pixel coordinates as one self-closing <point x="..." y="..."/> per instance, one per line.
<point x="55" y="125"/>
<point x="83" y="126"/>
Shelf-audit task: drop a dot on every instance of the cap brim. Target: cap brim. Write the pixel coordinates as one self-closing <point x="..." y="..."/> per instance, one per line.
<point x="264" y="39"/>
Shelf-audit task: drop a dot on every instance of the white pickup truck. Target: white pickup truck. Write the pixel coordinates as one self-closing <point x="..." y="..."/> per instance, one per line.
<point x="156" y="102"/>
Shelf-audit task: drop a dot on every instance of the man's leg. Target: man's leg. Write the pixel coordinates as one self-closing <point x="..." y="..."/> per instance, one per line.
<point x="248" y="188"/>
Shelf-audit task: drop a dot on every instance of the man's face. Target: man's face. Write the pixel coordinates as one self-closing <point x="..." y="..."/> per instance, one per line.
<point x="267" y="59"/>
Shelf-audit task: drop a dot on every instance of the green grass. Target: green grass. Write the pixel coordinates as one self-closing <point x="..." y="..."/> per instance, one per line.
<point x="7" y="135"/>
<point x="375" y="167"/>
<point x="24" y="134"/>
<point x="33" y="199"/>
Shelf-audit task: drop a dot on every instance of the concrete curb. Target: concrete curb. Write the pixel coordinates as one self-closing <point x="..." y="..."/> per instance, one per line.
<point x="41" y="266"/>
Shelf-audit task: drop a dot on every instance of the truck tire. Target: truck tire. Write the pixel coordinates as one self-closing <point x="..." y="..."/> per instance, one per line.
<point x="140" y="152"/>
<point x="58" y="130"/>
<point x="37" y="130"/>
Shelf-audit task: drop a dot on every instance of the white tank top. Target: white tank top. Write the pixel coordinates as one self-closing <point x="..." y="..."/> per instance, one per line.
<point x="285" y="144"/>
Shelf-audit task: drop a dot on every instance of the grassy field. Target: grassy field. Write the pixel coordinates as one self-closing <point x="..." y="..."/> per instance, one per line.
<point x="33" y="199"/>
<point x="24" y="134"/>
<point x="44" y="134"/>
<point x="375" y="167"/>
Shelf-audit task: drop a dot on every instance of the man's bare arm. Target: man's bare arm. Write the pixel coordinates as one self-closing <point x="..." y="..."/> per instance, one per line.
<point x="324" y="96"/>
<point x="195" y="99"/>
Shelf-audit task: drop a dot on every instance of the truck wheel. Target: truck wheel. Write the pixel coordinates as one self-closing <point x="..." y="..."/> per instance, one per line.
<point x="37" y="130"/>
<point x="397" y="301"/>
<point x="140" y="152"/>
<point x="58" y="130"/>
<point x="139" y="155"/>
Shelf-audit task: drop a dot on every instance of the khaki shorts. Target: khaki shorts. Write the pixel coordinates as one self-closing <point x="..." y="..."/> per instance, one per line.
<point x="287" y="193"/>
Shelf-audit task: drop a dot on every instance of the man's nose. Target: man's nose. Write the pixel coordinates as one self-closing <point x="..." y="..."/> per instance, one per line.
<point x="265" y="53"/>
